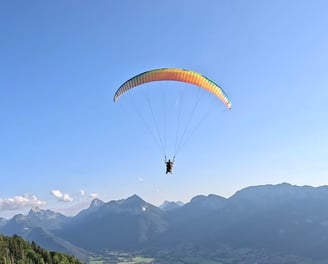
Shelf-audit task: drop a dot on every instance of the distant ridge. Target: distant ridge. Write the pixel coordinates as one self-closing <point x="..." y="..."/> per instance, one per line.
<point x="166" y="205"/>
<point x="282" y="218"/>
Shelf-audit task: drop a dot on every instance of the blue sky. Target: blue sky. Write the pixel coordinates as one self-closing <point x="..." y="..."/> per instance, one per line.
<point x="63" y="141"/>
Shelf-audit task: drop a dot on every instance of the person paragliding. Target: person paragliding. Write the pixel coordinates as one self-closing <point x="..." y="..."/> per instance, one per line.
<point x="169" y="166"/>
<point x="177" y="75"/>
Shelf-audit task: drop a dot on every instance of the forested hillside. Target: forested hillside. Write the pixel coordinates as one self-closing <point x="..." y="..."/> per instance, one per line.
<point x="15" y="250"/>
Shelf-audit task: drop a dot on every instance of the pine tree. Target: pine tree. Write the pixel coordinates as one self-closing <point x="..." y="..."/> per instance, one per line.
<point x="14" y="250"/>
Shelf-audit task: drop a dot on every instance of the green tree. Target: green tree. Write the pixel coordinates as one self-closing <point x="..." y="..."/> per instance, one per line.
<point x="15" y="250"/>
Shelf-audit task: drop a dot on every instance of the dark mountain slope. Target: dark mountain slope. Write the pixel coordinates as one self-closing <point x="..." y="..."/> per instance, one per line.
<point x="123" y="224"/>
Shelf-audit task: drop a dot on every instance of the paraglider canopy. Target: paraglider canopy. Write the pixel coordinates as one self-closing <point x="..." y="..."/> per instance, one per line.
<point x="174" y="74"/>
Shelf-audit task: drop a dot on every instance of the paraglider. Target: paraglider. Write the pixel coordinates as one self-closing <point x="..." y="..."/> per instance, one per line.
<point x="177" y="75"/>
<point x="169" y="166"/>
<point x="174" y="74"/>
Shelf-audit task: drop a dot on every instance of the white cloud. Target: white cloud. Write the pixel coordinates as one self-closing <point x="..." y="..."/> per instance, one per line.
<point x="82" y="192"/>
<point x="140" y="179"/>
<point x="64" y="197"/>
<point x="57" y="193"/>
<point x="20" y="202"/>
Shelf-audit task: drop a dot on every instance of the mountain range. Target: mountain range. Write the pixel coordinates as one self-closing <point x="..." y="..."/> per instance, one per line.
<point x="282" y="218"/>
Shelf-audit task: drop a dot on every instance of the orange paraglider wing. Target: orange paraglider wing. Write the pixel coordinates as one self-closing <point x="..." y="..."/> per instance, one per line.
<point x="174" y="74"/>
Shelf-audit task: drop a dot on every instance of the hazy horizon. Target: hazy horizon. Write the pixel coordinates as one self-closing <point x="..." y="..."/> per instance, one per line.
<point x="78" y="207"/>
